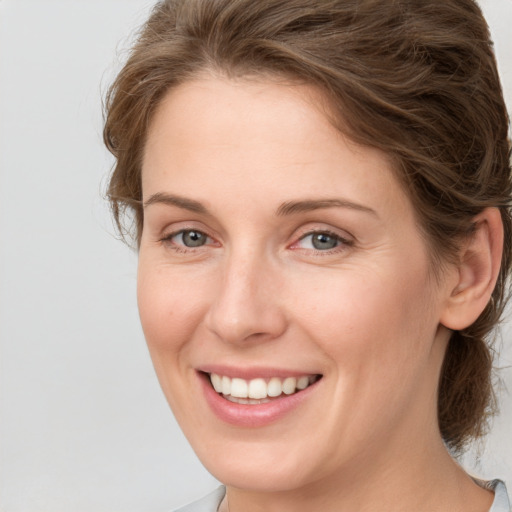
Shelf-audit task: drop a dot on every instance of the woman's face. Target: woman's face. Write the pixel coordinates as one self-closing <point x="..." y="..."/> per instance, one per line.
<point x="275" y="255"/>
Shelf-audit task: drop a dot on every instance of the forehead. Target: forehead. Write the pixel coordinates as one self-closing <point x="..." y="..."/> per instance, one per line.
<point x="217" y="109"/>
<point x="268" y="140"/>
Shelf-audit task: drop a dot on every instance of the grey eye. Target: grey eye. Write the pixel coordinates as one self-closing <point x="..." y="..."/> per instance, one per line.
<point x="324" y="241"/>
<point x="191" y="238"/>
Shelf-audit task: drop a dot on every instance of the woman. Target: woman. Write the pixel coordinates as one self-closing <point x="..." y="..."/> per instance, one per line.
<point x="321" y="202"/>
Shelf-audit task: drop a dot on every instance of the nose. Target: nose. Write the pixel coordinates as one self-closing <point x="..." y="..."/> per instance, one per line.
<point x="246" y="307"/>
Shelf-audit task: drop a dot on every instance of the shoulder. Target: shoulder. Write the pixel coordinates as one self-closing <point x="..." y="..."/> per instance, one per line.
<point x="501" y="501"/>
<point x="209" y="503"/>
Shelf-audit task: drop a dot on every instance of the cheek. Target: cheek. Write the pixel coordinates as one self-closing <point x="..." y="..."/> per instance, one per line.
<point x="374" y="323"/>
<point x="171" y="305"/>
<point x="377" y="336"/>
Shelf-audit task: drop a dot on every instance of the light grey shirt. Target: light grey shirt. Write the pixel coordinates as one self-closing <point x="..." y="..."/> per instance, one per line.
<point x="211" y="502"/>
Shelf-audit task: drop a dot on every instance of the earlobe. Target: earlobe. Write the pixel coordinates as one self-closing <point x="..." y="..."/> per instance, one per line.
<point x="478" y="268"/>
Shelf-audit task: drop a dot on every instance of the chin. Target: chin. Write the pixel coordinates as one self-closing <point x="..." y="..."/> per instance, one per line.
<point x="260" y="467"/>
<point x="259" y="478"/>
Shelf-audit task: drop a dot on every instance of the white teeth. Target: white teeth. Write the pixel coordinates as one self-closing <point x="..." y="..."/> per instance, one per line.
<point x="274" y="387"/>
<point x="247" y="401"/>
<point x="239" y="388"/>
<point x="289" y="385"/>
<point x="302" y="382"/>
<point x="226" y="386"/>
<point x="217" y="382"/>
<point x="258" y="390"/>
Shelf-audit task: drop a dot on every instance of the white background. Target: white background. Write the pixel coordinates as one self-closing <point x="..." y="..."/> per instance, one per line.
<point x="83" y="424"/>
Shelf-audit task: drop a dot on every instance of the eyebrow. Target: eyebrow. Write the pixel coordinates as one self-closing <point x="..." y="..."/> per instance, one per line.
<point x="180" y="202"/>
<point x="292" y="207"/>
<point x="287" y="208"/>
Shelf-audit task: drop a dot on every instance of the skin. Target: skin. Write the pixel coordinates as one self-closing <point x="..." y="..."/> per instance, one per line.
<point x="367" y="314"/>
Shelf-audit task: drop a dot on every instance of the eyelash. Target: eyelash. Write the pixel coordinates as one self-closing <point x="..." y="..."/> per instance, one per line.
<point x="167" y="240"/>
<point x="342" y="243"/>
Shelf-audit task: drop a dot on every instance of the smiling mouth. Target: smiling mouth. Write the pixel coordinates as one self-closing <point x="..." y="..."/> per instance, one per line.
<point x="259" y="390"/>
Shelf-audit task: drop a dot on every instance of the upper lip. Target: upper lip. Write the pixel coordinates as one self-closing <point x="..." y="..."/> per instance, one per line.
<point x="254" y="372"/>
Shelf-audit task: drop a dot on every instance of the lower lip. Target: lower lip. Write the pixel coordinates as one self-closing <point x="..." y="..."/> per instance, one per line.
<point x="256" y="415"/>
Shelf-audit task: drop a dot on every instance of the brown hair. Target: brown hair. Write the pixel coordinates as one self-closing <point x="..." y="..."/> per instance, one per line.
<point x="415" y="79"/>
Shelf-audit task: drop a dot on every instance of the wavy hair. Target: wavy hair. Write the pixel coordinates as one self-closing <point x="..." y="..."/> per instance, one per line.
<point x="416" y="79"/>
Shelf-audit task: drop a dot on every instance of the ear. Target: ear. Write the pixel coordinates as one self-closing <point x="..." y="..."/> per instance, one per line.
<point x="477" y="271"/>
